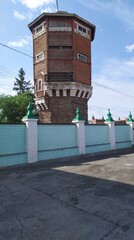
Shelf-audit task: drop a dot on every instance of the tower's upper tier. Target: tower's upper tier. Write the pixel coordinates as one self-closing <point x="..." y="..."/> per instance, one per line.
<point x="62" y="14"/>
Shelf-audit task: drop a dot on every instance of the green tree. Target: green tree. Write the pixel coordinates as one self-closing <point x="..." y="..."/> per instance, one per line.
<point x="13" y="108"/>
<point x="20" y="85"/>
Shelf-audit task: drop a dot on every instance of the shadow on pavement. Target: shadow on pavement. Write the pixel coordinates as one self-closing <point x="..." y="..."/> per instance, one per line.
<point x="85" y="200"/>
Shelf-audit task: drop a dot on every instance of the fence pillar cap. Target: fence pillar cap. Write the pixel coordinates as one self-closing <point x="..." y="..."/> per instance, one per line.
<point x="109" y="119"/>
<point x="78" y="117"/>
<point x="29" y="114"/>
<point x="130" y="118"/>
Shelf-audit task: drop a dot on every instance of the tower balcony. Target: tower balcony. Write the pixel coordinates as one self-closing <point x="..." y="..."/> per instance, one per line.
<point x="64" y="89"/>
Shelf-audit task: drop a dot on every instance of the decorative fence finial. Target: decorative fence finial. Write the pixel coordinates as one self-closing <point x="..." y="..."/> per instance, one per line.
<point x="130" y="118"/>
<point x="78" y="116"/>
<point x="30" y="114"/>
<point x="109" y="119"/>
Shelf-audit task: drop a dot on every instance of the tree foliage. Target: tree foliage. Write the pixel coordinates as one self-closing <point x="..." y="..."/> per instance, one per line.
<point x="13" y="108"/>
<point x="21" y="85"/>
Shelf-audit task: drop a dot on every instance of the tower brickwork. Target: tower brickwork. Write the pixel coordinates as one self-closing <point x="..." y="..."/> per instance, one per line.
<point x="62" y="65"/>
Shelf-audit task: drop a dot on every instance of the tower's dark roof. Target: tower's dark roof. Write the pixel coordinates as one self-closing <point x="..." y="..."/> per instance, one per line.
<point x="62" y="14"/>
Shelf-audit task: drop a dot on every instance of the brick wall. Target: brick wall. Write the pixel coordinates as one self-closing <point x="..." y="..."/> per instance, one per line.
<point x="60" y="53"/>
<point x="82" y="70"/>
<point x="60" y="39"/>
<point x="40" y="45"/>
<point x="45" y="116"/>
<point x="63" y="110"/>
<point x="38" y="67"/>
<point x="61" y="65"/>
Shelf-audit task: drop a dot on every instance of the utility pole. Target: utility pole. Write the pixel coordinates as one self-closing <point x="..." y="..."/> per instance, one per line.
<point x="57" y="4"/>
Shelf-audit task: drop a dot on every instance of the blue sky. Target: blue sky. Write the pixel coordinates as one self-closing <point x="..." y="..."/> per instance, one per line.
<point x="112" y="48"/>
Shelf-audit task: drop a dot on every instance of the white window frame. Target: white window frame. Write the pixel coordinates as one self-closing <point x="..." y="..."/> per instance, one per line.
<point x="79" y="25"/>
<point x="37" y="32"/>
<point x="39" y="85"/>
<point x="83" y="33"/>
<point x="82" y="57"/>
<point x="39" y="57"/>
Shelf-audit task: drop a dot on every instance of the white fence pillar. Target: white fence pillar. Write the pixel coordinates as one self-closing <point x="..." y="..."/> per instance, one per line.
<point x="80" y="131"/>
<point x="111" y="126"/>
<point x="130" y="121"/>
<point x="31" y="124"/>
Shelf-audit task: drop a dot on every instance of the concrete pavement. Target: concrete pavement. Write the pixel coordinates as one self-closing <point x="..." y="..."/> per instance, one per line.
<point x="88" y="199"/>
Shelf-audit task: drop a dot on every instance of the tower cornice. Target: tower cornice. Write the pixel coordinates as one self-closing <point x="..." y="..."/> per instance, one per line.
<point x="62" y="14"/>
<point x="76" y="89"/>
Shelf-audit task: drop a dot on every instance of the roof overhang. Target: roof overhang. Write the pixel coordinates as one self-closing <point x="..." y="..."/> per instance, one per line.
<point x="62" y="14"/>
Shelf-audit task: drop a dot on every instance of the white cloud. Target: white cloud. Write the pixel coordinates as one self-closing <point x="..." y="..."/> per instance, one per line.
<point x="48" y="9"/>
<point x="117" y="7"/>
<point x="96" y="5"/>
<point x="22" y="16"/>
<point x="19" y="16"/>
<point x="116" y="74"/>
<point x="129" y="48"/>
<point x="33" y="4"/>
<point x="118" y="69"/>
<point x="6" y="91"/>
<point x="6" y="86"/>
<point x="20" y="43"/>
<point x="124" y="13"/>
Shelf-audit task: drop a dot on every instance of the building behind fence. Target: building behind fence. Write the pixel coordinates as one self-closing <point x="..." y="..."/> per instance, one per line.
<point x="30" y="142"/>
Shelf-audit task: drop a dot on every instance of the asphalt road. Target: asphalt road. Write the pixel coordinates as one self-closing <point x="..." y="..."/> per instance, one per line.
<point x="75" y="200"/>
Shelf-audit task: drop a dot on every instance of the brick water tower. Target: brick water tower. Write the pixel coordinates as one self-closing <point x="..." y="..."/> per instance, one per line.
<point x="62" y="65"/>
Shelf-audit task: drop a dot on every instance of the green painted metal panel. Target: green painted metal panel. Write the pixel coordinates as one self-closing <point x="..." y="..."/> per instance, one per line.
<point x="96" y="134"/>
<point x="44" y="155"/>
<point x="56" y="136"/>
<point x="122" y="136"/>
<point x="56" y="141"/>
<point x="122" y="133"/>
<point x="97" y="148"/>
<point x="9" y="160"/>
<point x="12" y="144"/>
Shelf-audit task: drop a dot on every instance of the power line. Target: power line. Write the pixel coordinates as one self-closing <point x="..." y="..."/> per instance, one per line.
<point x="57" y="4"/>
<point x="96" y="110"/>
<point x="104" y="86"/>
<point x="7" y="74"/>
<point x="3" y="75"/>
<point x="11" y="72"/>
<point x="103" y="108"/>
<point x="114" y="90"/>
<point x="101" y="85"/>
<point x="4" y="45"/>
<point x="91" y="107"/>
<point x="109" y="88"/>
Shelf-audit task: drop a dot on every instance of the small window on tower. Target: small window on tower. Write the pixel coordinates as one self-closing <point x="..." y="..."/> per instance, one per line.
<point x="39" y="30"/>
<point x="82" y="57"/>
<point x="39" y="57"/>
<point x="82" y="29"/>
<point x="40" y="85"/>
